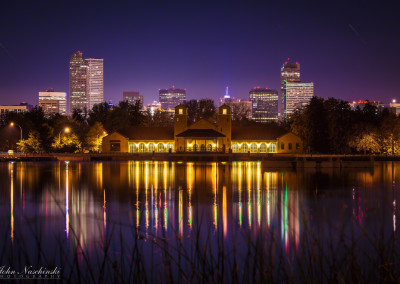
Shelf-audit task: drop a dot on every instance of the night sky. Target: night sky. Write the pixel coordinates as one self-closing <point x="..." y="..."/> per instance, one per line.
<point x="349" y="50"/>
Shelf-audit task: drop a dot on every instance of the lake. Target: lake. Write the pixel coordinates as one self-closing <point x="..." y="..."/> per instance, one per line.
<point x="211" y="222"/>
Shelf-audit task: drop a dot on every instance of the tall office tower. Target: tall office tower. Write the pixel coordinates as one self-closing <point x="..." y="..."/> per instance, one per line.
<point x="264" y="104"/>
<point x="298" y="94"/>
<point x="95" y="87"/>
<point x="132" y="98"/>
<point x="290" y="72"/>
<point x="170" y="98"/>
<point x="78" y="82"/>
<point x="53" y="102"/>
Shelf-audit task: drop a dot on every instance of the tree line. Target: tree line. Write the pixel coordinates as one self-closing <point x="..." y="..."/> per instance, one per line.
<point x="83" y="131"/>
<point x="331" y="126"/>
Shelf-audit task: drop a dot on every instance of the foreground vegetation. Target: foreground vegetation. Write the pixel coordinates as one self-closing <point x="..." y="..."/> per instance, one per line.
<point x="126" y="255"/>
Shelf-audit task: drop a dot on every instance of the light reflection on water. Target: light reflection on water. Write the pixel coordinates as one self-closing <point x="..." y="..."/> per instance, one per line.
<point x="86" y="201"/>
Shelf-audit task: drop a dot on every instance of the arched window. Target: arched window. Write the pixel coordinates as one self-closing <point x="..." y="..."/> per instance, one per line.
<point x="202" y="148"/>
<point x="141" y="147"/>
<point x="195" y="148"/>
<point x="151" y="147"/>
<point x="132" y="148"/>
<point x="263" y="148"/>
<point x="245" y="148"/>
<point x="170" y="146"/>
<point x="235" y="148"/>
<point x="160" y="147"/>
<point x="253" y="148"/>
<point x="209" y="148"/>
<point x="272" y="148"/>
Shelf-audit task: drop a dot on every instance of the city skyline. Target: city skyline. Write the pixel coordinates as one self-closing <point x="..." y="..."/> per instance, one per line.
<point x="333" y="44"/>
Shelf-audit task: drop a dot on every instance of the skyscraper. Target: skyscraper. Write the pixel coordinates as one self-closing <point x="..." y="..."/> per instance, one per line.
<point x="78" y="82"/>
<point x="298" y="94"/>
<point x="170" y="98"/>
<point x="290" y="72"/>
<point x="53" y="102"/>
<point x="95" y="86"/>
<point x="132" y="98"/>
<point x="264" y="104"/>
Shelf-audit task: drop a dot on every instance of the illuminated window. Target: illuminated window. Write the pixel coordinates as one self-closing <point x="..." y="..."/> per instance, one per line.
<point x="202" y="148"/>
<point x="235" y="148"/>
<point x="180" y="111"/>
<point x="170" y="146"/>
<point x="141" y="147"/>
<point x="253" y="148"/>
<point x="224" y="111"/>
<point x="272" y="148"/>
<point x="209" y="148"/>
<point x="151" y="147"/>
<point x="160" y="147"/>
<point x="195" y="147"/>
<point x="263" y="148"/>
<point x="245" y="148"/>
<point x="132" y="148"/>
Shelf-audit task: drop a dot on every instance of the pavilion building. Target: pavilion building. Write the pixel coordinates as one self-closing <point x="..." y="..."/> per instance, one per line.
<point x="203" y="136"/>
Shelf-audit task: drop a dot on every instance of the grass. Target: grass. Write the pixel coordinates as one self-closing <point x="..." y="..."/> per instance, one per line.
<point x="129" y="255"/>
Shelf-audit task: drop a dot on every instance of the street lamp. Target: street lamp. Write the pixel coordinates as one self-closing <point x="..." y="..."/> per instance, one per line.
<point x="12" y="124"/>
<point x="66" y="130"/>
<point x="97" y="141"/>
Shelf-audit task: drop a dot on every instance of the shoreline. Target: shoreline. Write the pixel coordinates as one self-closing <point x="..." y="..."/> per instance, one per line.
<point x="268" y="160"/>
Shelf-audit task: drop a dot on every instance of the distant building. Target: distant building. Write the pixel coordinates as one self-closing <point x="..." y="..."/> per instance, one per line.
<point x="240" y="108"/>
<point x="5" y="109"/>
<point x="132" y="98"/>
<point x="53" y="102"/>
<point x="170" y="98"/>
<point x="96" y="81"/>
<point x="227" y="98"/>
<point x="78" y="82"/>
<point x="264" y="104"/>
<point x="153" y="107"/>
<point x="394" y="107"/>
<point x="297" y="94"/>
<point x="361" y="104"/>
<point x="28" y="106"/>
<point x="290" y="72"/>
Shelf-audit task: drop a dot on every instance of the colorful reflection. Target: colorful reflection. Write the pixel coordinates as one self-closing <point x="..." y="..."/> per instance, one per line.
<point x="87" y="201"/>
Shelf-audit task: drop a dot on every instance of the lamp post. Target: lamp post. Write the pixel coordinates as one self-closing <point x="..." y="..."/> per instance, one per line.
<point x="97" y="141"/>
<point x="66" y="130"/>
<point x="12" y="124"/>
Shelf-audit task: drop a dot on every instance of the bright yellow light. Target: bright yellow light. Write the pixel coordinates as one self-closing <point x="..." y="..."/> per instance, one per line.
<point x="66" y="129"/>
<point x="12" y="123"/>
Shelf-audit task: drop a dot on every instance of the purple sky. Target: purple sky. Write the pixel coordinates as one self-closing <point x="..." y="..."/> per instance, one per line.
<point x="350" y="51"/>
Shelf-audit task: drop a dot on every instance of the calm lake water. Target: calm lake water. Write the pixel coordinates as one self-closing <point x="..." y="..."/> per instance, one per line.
<point x="170" y="221"/>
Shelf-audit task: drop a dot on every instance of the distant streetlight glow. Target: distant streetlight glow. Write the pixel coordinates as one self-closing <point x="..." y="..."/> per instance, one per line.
<point x="66" y="130"/>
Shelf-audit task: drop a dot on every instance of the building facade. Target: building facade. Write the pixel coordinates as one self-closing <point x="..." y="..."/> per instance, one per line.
<point x="290" y="72"/>
<point x="203" y="136"/>
<point x="78" y="82"/>
<point x="5" y="109"/>
<point x="394" y="107"/>
<point x="264" y="104"/>
<point x="53" y="102"/>
<point x="170" y="98"/>
<point x="133" y="98"/>
<point x="95" y="82"/>
<point x="298" y="94"/>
